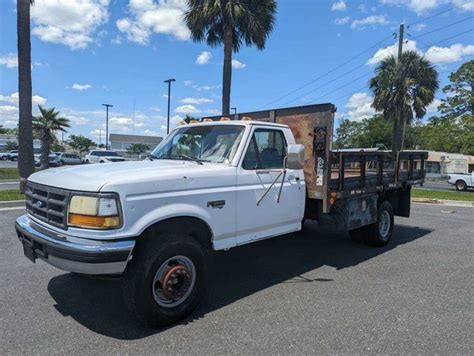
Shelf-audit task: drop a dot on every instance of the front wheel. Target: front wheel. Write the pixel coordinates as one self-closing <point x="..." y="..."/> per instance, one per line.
<point x="461" y="185"/>
<point x="379" y="233"/>
<point x="164" y="281"/>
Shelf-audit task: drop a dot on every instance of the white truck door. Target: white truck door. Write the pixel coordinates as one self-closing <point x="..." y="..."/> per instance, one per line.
<point x="262" y="209"/>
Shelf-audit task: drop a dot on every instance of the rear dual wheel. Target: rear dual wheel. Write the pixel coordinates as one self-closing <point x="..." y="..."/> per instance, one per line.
<point x="379" y="233"/>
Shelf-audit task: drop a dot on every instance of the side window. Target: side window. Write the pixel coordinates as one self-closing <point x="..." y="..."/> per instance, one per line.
<point x="267" y="149"/>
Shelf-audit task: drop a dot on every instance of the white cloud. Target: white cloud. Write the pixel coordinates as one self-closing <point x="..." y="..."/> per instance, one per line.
<point x="13" y="99"/>
<point x="10" y="60"/>
<point x="420" y="27"/>
<point x="370" y="20"/>
<point x="392" y="50"/>
<point x="134" y="32"/>
<point x="188" y="82"/>
<point x="81" y="87"/>
<point x="359" y="105"/>
<point x="76" y="120"/>
<point x="203" y="58"/>
<point x="175" y="121"/>
<point x="433" y="107"/>
<point x="422" y="6"/>
<point x="148" y="16"/>
<point x="237" y="64"/>
<point x="338" y="6"/>
<point x="196" y="101"/>
<point x="342" y="20"/>
<point x="8" y="110"/>
<point x="454" y="53"/>
<point x="187" y="109"/>
<point x="72" y="23"/>
<point x="120" y="121"/>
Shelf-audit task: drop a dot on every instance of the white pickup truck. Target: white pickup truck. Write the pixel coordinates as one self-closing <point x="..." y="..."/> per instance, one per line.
<point x="462" y="181"/>
<point x="208" y="186"/>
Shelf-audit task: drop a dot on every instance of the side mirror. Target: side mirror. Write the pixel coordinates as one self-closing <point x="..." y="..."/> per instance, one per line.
<point x="295" y="157"/>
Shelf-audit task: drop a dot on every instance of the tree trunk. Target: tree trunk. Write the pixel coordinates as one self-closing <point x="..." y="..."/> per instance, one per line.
<point x="396" y="135"/>
<point x="26" y="161"/>
<point x="227" y="71"/>
<point x="45" y="143"/>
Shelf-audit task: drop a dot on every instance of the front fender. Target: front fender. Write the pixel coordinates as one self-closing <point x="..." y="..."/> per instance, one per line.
<point x="169" y="211"/>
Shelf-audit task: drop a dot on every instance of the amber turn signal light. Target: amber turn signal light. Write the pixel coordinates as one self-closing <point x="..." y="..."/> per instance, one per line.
<point x="98" y="222"/>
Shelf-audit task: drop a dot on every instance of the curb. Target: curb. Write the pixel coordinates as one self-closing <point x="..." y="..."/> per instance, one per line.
<point x="459" y="203"/>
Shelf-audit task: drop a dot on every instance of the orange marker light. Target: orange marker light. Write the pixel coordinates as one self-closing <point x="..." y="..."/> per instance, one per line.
<point x="98" y="222"/>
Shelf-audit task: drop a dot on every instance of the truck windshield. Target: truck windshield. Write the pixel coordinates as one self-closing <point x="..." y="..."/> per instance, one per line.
<point x="210" y="143"/>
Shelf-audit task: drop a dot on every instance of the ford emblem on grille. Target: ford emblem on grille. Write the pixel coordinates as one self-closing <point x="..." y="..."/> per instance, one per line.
<point x="39" y="204"/>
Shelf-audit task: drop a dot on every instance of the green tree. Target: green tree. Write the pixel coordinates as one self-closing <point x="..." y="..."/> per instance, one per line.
<point x="3" y="130"/>
<point x="57" y="147"/>
<point x="231" y="23"/>
<point x="402" y="88"/>
<point x="46" y="125"/>
<point x="26" y="161"/>
<point x="347" y="134"/>
<point x="137" y="149"/>
<point x="11" y="145"/>
<point x="80" y="143"/>
<point x="460" y="92"/>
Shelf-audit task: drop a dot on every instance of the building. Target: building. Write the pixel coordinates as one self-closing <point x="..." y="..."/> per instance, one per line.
<point x="4" y="139"/>
<point x="441" y="164"/>
<point x="120" y="143"/>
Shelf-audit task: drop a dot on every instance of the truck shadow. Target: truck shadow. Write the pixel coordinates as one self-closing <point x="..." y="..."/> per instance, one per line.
<point x="97" y="303"/>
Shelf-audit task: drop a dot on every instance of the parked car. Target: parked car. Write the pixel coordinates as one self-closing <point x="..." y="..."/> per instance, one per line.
<point x="67" y="159"/>
<point x="99" y="156"/>
<point x="462" y="181"/>
<point x="53" y="162"/>
<point x="13" y="155"/>
<point x="209" y="186"/>
<point x="4" y="156"/>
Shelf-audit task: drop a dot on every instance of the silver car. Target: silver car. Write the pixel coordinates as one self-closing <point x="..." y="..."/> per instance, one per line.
<point x="67" y="158"/>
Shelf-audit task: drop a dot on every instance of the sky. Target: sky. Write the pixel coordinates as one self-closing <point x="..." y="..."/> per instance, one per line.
<point x="89" y="52"/>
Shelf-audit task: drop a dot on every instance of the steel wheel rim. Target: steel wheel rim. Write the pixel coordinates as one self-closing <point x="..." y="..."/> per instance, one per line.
<point x="384" y="224"/>
<point x="174" y="281"/>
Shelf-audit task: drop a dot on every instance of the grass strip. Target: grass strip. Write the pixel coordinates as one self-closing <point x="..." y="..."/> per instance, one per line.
<point x="443" y="195"/>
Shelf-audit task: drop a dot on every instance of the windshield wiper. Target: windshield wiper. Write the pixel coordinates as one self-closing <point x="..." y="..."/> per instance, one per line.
<point x="189" y="158"/>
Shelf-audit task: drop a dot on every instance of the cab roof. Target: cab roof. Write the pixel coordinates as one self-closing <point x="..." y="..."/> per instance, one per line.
<point x="237" y="122"/>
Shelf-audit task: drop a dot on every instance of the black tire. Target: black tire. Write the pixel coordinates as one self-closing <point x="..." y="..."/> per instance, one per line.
<point x="461" y="185"/>
<point x="377" y="234"/>
<point x="138" y="282"/>
<point x="61" y="163"/>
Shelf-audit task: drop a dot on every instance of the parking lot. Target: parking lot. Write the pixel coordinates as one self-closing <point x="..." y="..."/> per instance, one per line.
<point x="310" y="292"/>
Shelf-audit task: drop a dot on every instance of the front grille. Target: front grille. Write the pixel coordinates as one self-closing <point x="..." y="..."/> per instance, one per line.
<point x="47" y="203"/>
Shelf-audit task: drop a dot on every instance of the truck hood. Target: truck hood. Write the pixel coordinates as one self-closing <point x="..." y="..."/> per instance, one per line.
<point x="95" y="176"/>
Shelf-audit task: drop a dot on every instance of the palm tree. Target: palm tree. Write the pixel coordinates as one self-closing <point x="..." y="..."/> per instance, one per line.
<point x="403" y="88"/>
<point x="231" y="23"/>
<point x="26" y="162"/>
<point x="46" y="125"/>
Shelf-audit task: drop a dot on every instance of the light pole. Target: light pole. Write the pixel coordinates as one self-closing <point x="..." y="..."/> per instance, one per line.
<point x="169" y="81"/>
<point x="235" y="110"/>
<point x="107" y="106"/>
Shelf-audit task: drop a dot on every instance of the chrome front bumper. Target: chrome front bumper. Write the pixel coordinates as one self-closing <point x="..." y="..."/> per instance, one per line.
<point x="71" y="253"/>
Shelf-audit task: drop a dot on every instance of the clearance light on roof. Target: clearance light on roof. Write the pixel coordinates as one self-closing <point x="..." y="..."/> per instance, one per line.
<point x="207" y="120"/>
<point x="246" y="118"/>
<point x="223" y="118"/>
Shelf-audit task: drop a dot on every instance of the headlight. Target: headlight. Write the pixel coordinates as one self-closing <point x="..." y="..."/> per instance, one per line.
<point x="94" y="212"/>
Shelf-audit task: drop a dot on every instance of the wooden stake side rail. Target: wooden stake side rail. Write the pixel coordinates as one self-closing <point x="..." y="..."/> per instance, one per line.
<point x="362" y="172"/>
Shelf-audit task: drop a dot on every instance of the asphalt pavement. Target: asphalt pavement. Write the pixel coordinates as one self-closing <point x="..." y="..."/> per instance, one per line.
<point x="310" y="292"/>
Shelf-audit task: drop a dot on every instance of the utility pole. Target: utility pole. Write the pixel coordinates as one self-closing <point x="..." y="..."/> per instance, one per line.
<point x="235" y="110"/>
<point x="400" y="41"/>
<point x="169" y="81"/>
<point x="107" y="106"/>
